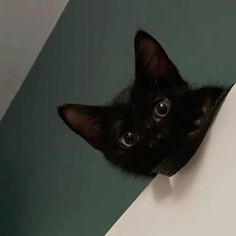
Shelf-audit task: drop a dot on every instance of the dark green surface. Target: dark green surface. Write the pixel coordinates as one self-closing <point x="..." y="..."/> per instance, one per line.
<point x="51" y="181"/>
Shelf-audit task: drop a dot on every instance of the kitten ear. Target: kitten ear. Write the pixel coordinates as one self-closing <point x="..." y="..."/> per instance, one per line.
<point x="85" y="121"/>
<point x="151" y="61"/>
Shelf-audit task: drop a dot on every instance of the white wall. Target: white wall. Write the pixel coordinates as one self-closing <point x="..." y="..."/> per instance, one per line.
<point x="24" y="27"/>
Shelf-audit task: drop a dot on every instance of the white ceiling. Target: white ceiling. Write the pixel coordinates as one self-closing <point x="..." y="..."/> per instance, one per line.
<point x="24" y="27"/>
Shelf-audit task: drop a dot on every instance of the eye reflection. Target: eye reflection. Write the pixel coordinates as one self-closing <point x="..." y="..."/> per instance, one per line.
<point x="161" y="108"/>
<point x="127" y="139"/>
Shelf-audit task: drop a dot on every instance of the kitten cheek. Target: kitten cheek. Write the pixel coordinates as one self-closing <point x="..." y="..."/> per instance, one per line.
<point x="199" y="122"/>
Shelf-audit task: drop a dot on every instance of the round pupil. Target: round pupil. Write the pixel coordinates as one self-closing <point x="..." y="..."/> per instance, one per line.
<point x="129" y="138"/>
<point x="162" y="108"/>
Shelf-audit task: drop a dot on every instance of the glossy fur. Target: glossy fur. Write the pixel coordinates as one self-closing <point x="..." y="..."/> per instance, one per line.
<point x="156" y="77"/>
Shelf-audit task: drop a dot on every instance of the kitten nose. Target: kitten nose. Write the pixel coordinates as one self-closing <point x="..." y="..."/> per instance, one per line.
<point x="154" y="142"/>
<point x="151" y="144"/>
<point x="153" y="138"/>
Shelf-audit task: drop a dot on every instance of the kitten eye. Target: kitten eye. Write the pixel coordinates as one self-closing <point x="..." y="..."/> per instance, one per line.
<point x="128" y="139"/>
<point x="162" y="108"/>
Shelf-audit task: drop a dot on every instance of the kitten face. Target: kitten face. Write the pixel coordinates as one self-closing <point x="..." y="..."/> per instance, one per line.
<point x="146" y="121"/>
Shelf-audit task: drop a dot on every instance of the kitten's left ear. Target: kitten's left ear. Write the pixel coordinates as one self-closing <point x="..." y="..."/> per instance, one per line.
<point x="151" y="61"/>
<point x="85" y="121"/>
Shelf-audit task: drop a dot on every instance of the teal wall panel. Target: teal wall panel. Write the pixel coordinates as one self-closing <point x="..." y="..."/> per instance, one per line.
<point x="51" y="181"/>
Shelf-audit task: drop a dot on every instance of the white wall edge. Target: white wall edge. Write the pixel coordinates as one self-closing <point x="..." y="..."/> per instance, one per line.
<point x="24" y="28"/>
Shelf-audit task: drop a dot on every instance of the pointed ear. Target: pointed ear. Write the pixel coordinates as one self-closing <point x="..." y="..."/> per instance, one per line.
<point x="151" y="61"/>
<point x="85" y="121"/>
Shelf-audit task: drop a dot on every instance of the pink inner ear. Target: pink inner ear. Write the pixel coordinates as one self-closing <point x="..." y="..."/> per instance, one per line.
<point x="83" y="122"/>
<point x="154" y="59"/>
<point x="151" y="57"/>
<point x="91" y="132"/>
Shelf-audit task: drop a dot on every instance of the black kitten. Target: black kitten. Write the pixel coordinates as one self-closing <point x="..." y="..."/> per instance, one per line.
<point x="157" y="117"/>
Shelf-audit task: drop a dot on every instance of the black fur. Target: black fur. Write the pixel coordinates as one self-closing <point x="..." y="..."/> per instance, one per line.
<point x="156" y="77"/>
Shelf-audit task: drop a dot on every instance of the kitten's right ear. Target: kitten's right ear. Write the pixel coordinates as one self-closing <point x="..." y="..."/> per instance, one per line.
<point x="152" y="62"/>
<point x="85" y="121"/>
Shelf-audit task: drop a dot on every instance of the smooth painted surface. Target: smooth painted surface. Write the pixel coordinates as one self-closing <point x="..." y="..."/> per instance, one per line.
<point x="200" y="199"/>
<point x="24" y="27"/>
<point x="52" y="182"/>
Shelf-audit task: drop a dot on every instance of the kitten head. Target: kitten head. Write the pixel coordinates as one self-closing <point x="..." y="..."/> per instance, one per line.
<point x="146" y="121"/>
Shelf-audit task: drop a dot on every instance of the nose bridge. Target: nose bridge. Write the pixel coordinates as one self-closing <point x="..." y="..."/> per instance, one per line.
<point x="155" y="136"/>
<point x="149" y="122"/>
<point x="156" y="132"/>
<point x="151" y="137"/>
<point x="150" y="131"/>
